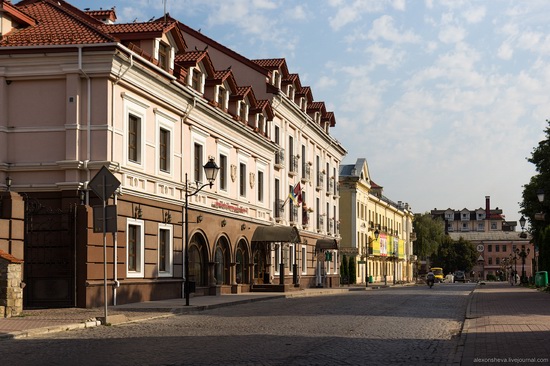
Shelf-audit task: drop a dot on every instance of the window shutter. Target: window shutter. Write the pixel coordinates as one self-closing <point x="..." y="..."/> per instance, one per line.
<point x="157" y="47"/>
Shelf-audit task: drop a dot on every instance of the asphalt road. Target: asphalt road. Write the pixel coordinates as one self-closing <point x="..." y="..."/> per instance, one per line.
<point x="401" y="325"/>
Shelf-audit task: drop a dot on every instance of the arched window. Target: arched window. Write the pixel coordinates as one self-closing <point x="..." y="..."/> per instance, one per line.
<point x="195" y="266"/>
<point x="220" y="265"/>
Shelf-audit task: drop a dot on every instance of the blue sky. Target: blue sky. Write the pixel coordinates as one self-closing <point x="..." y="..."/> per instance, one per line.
<point x="445" y="99"/>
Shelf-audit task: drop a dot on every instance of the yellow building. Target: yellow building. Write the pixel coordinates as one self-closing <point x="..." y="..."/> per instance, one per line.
<point x="375" y="231"/>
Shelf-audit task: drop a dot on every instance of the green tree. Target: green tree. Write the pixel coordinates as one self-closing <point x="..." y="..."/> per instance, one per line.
<point x="429" y="232"/>
<point x="344" y="269"/>
<point x="454" y="255"/>
<point x="352" y="271"/>
<point x="530" y="206"/>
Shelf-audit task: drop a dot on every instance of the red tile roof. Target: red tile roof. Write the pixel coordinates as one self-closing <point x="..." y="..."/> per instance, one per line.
<point x="56" y="25"/>
<point x="274" y="64"/>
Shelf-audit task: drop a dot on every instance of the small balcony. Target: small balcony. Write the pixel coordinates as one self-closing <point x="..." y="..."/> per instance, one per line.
<point x="280" y="159"/>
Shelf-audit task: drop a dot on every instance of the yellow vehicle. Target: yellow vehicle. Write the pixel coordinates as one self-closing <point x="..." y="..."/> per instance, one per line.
<point x="438" y="272"/>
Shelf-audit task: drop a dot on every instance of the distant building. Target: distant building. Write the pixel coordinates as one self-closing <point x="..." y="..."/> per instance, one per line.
<point x="375" y="230"/>
<point x="502" y="251"/>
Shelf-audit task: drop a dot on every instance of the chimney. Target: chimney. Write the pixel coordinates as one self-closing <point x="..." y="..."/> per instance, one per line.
<point x="487" y="207"/>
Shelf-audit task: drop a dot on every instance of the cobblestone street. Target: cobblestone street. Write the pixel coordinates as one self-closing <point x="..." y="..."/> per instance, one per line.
<point x="408" y="325"/>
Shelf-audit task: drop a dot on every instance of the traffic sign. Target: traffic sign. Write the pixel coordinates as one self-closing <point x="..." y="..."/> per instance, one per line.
<point x="104" y="183"/>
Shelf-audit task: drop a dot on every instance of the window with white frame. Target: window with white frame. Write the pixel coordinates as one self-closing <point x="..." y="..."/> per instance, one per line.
<point x="222" y="97"/>
<point x="224" y="150"/>
<point x="261" y="122"/>
<point x="134" y="127"/>
<point x="197" y="80"/>
<point x="164" y="53"/>
<point x="198" y="151"/>
<point x="135" y="251"/>
<point x="260" y="186"/>
<point x="242" y="179"/>
<point x="165" y="258"/>
<point x="164" y="150"/>
<point x="243" y="110"/>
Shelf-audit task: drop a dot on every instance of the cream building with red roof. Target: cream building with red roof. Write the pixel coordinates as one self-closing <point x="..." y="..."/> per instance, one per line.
<point x="79" y="92"/>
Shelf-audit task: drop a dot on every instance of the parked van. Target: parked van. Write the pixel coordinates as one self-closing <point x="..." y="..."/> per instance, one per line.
<point x="438" y="272"/>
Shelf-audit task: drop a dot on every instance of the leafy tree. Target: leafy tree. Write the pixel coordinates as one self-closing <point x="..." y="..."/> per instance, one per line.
<point x="344" y="270"/>
<point x="455" y="255"/>
<point x="530" y="206"/>
<point x="429" y="232"/>
<point x="352" y="271"/>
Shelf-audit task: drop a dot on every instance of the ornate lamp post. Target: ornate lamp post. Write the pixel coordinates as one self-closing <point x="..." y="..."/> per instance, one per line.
<point x="523" y="254"/>
<point x="211" y="171"/>
<point x="367" y="252"/>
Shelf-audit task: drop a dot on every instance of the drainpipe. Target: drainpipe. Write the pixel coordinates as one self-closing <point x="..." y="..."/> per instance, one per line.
<point x="88" y="122"/>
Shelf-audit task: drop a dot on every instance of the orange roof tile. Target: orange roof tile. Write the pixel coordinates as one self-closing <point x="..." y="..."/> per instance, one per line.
<point x="274" y="64"/>
<point x="56" y="25"/>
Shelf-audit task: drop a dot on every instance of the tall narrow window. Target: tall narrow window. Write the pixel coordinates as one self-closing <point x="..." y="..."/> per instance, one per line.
<point x="134" y="138"/>
<point x="196" y="81"/>
<point x="304" y="260"/>
<point x="132" y="247"/>
<point x="197" y="166"/>
<point x="260" y="186"/>
<point x="164" y="56"/>
<point x="164" y="250"/>
<point x="291" y="159"/>
<point x="164" y="149"/>
<point x="242" y="180"/>
<point x="222" y="174"/>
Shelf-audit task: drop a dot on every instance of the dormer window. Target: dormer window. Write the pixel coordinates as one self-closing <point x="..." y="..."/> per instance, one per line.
<point x="290" y="92"/>
<point x="303" y="104"/>
<point x="276" y="79"/>
<point x="261" y="123"/>
<point x="221" y="97"/>
<point x="197" y="80"/>
<point x="243" y="110"/>
<point x="317" y="117"/>
<point x="165" y="55"/>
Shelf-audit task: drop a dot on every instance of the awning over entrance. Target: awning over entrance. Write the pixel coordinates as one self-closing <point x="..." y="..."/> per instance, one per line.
<point x="324" y="244"/>
<point x="283" y="234"/>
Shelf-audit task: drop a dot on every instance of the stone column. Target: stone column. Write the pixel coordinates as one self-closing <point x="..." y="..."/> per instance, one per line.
<point x="11" y="285"/>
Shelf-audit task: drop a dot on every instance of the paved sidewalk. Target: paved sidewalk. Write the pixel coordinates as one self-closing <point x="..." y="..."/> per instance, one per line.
<point x="507" y="325"/>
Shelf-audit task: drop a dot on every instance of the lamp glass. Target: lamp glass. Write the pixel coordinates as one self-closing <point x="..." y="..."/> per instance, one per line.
<point x="211" y="170"/>
<point x="522" y="221"/>
<point x="376" y="234"/>
<point x="540" y="195"/>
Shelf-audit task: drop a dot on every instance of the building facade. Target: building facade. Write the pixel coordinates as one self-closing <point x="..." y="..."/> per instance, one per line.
<point x="502" y="251"/>
<point x="79" y="92"/>
<point x="376" y="231"/>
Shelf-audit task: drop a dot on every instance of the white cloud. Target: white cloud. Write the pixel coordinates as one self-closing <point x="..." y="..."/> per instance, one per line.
<point x="505" y="51"/>
<point x="388" y="57"/>
<point x="296" y="13"/>
<point x="452" y="34"/>
<point x="325" y="82"/>
<point x="475" y="15"/>
<point x="384" y="28"/>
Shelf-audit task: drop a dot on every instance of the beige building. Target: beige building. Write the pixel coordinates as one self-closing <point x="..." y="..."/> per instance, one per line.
<point x="79" y="92"/>
<point x="376" y="231"/>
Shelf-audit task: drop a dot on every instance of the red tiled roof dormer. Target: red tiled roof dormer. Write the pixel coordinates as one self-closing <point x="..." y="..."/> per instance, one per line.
<point x="223" y="76"/>
<point x="274" y="64"/>
<point x="15" y="14"/>
<point x="317" y="107"/>
<point x="245" y="92"/>
<point x="193" y="58"/>
<point x="55" y="25"/>
<point x="100" y="14"/>
<point x="329" y="117"/>
<point x="293" y="79"/>
<point x="305" y="92"/>
<point x="264" y="106"/>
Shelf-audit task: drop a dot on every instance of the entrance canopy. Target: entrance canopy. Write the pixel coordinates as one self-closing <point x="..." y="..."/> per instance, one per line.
<point x="324" y="244"/>
<point x="270" y="234"/>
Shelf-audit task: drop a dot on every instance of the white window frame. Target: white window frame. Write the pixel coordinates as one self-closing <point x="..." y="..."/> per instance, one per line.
<point x="140" y="260"/>
<point x="197" y="137"/>
<point x="224" y="149"/>
<point x="133" y="106"/>
<point x="243" y="159"/>
<point x="163" y="121"/>
<point x="261" y="167"/>
<point x="169" y="250"/>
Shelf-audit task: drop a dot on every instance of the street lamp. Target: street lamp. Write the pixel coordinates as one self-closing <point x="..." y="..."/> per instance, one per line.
<point x="523" y="254"/>
<point x="8" y="183"/>
<point x="211" y="171"/>
<point x="376" y="235"/>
